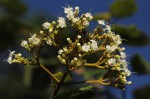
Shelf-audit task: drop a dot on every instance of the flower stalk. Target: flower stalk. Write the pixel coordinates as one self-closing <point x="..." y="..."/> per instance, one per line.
<point x="51" y="74"/>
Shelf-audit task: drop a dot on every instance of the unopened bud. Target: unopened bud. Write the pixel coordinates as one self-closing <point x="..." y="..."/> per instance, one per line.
<point x="77" y="8"/>
<point x="41" y="32"/>
<point x="79" y="36"/>
<point x="129" y="82"/>
<point x="53" y="22"/>
<point x="75" y="58"/>
<point x="63" y="61"/>
<point x="59" y="57"/>
<point x="65" y="49"/>
<point x="68" y="39"/>
<point x="80" y="55"/>
<point x="78" y="44"/>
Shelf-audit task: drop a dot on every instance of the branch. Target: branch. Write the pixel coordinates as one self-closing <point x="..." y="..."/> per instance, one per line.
<point x="100" y="60"/>
<point x="52" y="75"/>
<point x="45" y="69"/>
<point x="60" y="84"/>
<point x="99" y="81"/>
<point x="94" y="65"/>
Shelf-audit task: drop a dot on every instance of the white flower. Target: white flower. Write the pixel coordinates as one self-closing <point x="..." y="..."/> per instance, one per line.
<point x="74" y="20"/>
<point x="86" y="23"/>
<point x="85" y="47"/>
<point x="122" y="49"/>
<point x="68" y="10"/>
<point x="123" y="62"/>
<point x="70" y="16"/>
<point x="60" y="51"/>
<point x="49" y="42"/>
<point x="101" y="22"/>
<point x="46" y="25"/>
<point x="89" y="15"/>
<point x="24" y="43"/>
<point x="108" y="28"/>
<point x="117" y="39"/>
<point x="110" y="49"/>
<point x="9" y="60"/>
<point x="94" y="45"/>
<point x="34" y="40"/>
<point x="112" y="61"/>
<point x="122" y="55"/>
<point x="127" y="72"/>
<point x="61" y="22"/>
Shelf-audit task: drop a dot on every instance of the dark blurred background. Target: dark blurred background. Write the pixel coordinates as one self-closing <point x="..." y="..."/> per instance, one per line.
<point x="18" y="18"/>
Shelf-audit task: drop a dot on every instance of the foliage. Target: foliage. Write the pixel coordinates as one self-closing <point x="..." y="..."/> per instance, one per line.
<point x="132" y="35"/>
<point x="123" y="8"/>
<point x="102" y="16"/>
<point x="142" y="93"/>
<point x="137" y="61"/>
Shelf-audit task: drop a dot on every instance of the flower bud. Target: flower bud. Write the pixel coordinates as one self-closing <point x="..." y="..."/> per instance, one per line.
<point x="63" y="61"/>
<point x="65" y="49"/>
<point x="72" y="62"/>
<point x="59" y="57"/>
<point x="68" y="39"/>
<point x="79" y="36"/>
<point x="79" y="55"/>
<point x="41" y="32"/>
<point x="117" y="56"/>
<point x="129" y="82"/>
<point x="78" y="44"/>
<point x="56" y="31"/>
<point x="53" y="22"/>
<point x="77" y="8"/>
<point x="75" y="58"/>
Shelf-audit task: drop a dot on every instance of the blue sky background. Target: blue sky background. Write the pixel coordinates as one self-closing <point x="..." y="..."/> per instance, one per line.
<point x="141" y="19"/>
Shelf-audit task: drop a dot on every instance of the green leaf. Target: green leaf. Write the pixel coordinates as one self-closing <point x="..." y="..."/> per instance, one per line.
<point x="102" y="16"/>
<point x="28" y="75"/>
<point x="142" y="93"/>
<point x="78" y="92"/>
<point x="123" y="8"/>
<point x="98" y="73"/>
<point x="14" y="7"/>
<point x="60" y="74"/>
<point x="53" y="85"/>
<point x="49" y="61"/>
<point x="140" y="65"/>
<point x="131" y="34"/>
<point x="87" y="88"/>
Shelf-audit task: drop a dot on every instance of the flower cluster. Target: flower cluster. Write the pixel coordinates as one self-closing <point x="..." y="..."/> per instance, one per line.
<point x="72" y="55"/>
<point x="79" y="22"/>
<point x="116" y="59"/>
<point x="16" y="58"/>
